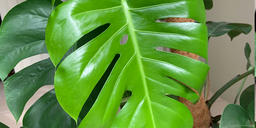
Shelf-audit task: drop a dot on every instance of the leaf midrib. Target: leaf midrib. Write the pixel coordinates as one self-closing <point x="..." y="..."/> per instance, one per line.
<point x="138" y="55"/>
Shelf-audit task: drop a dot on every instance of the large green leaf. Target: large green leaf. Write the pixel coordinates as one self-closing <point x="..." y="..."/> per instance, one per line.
<point x="216" y="29"/>
<point x="234" y="116"/>
<point x="247" y="101"/>
<point x="22" y="33"/>
<point x="20" y="87"/>
<point x="51" y="115"/>
<point x="139" y="66"/>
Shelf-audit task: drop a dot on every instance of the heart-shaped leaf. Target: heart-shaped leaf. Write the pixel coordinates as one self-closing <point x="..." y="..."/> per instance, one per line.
<point x="247" y="101"/>
<point x="234" y="116"/>
<point x="129" y="48"/>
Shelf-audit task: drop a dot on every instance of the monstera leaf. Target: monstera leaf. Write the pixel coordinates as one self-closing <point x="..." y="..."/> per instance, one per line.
<point x="51" y="115"/>
<point x="22" y="35"/>
<point x="129" y="48"/>
<point x="20" y="87"/>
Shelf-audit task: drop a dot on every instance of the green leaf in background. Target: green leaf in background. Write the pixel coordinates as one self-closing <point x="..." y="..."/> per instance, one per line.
<point x="20" y="87"/>
<point x="130" y="43"/>
<point x="247" y="101"/>
<point x="247" y="53"/>
<point x="208" y="4"/>
<point x="3" y="125"/>
<point x="216" y="29"/>
<point x="22" y="33"/>
<point x="235" y="116"/>
<point x="51" y="115"/>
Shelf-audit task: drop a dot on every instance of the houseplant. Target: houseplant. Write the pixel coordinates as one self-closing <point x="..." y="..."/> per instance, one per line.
<point x="11" y="82"/>
<point x="242" y="114"/>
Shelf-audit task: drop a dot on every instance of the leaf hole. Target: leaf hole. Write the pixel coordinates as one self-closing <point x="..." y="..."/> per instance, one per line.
<point x="183" y="84"/>
<point x="85" y="39"/>
<point x="180" y="52"/>
<point x="173" y="97"/>
<point x="124" y="40"/>
<point x="176" y="20"/>
<point x="125" y="98"/>
<point x="96" y="91"/>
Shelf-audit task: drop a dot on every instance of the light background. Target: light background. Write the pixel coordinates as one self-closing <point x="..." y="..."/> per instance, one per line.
<point x="226" y="58"/>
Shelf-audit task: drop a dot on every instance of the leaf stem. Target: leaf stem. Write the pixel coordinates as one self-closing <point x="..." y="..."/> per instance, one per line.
<point x="228" y="85"/>
<point x="240" y="89"/>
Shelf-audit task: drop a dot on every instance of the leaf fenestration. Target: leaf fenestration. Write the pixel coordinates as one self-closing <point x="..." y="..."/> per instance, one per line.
<point x="150" y="75"/>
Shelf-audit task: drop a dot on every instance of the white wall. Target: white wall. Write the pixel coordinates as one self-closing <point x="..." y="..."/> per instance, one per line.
<point x="5" y="5"/>
<point x="226" y="58"/>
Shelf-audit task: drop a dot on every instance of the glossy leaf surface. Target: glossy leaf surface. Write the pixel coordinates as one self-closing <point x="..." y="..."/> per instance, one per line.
<point x="235" y="116"/>
<point x="139" y="66"/>
<point x="20" y="87"/>
<point x="22" y="33"/>
<point x="51" y="115"/>
<point x="233" y="30"/>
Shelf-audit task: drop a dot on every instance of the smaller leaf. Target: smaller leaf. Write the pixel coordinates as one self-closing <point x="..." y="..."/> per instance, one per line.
<point x="47" y="113"/>
<point x="247" y="101"/>
<point x="234" y="116"/>
<point x="216" y="29"/>
<point x="3" y="125"/>
<point x="208" y="4"/>
<point x="247" y="53"/>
